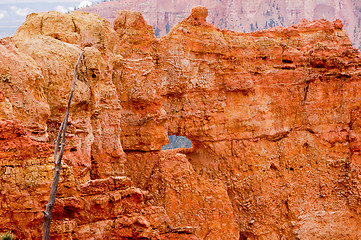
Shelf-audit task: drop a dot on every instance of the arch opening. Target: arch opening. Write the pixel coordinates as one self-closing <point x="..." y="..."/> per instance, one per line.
<point x="177" y="142"/>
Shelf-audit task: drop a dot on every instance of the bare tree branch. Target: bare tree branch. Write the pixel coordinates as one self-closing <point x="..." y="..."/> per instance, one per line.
<point x="57" y="157"/>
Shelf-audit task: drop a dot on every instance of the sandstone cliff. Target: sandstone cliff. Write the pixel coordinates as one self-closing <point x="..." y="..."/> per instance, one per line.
<point x="273" y="116"/>
<point x="240" y="15"/>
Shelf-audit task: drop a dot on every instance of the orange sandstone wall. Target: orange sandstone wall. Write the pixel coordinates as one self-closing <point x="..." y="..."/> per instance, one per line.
<point x="273" y="115"/>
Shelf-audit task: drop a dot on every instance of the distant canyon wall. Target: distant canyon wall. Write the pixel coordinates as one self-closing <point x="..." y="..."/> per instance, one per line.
<point x="240" y="15"/>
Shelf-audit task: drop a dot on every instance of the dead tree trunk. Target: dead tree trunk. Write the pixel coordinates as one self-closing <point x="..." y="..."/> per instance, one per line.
<point x="58" y="155"/>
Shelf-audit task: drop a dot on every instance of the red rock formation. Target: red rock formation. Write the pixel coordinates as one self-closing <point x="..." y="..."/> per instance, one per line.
<point x="273" y="117"/>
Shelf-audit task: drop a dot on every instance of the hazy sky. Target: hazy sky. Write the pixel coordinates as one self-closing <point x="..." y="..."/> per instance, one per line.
<point x="13" y="13"/>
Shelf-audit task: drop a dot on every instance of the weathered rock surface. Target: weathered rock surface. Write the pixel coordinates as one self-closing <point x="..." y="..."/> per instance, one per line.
<point x="274" y="118"/>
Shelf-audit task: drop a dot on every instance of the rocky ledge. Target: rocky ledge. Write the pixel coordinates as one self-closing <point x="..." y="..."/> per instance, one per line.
<point x="273" y="116"/>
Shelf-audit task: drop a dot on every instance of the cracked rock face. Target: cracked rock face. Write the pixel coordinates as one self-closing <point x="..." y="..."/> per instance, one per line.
<point x="273" y="116"/>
